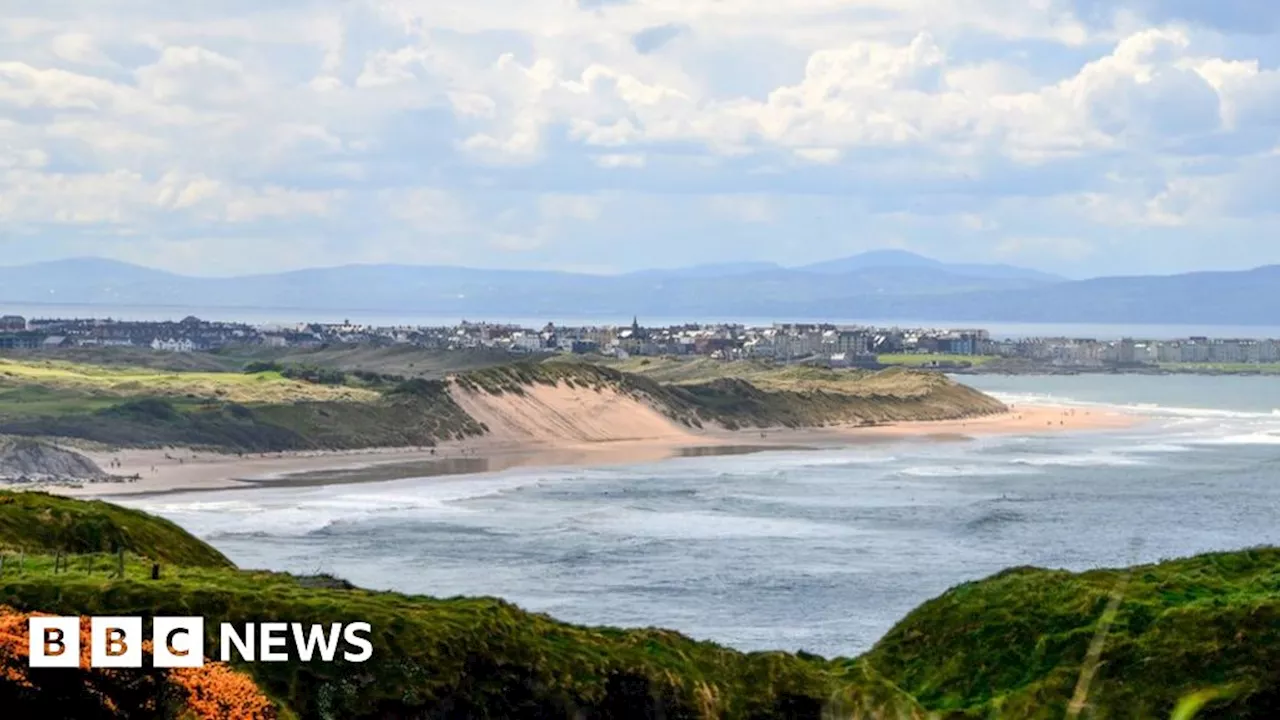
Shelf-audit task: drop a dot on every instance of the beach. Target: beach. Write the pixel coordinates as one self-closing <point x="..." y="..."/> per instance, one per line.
<point x="606" y="434"/>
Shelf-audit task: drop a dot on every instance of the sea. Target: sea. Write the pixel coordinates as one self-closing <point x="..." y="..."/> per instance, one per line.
<point x="816" y="550"/>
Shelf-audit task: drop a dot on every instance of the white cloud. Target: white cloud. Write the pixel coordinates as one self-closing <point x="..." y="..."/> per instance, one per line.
<point x="188" y="74"/>
<point x="78" y="47"/>
<point x="822" y="156"/>
<point x="619" y="160"/>
<point x="129" y="199"/>
<point x="544" y="127"/>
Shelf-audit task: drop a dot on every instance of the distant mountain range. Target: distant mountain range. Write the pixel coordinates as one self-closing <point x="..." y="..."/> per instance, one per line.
<point x="887" y="284"/>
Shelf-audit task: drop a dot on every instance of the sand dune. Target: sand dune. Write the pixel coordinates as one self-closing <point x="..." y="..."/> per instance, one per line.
<point x="546" y="424"/>
<point x="587" y="431"/>
<point x="559" y="415"/>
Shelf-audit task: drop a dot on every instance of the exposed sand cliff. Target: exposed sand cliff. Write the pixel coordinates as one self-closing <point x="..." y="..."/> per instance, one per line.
<point x="554" y="411"/>
<point x="558" y="414"/>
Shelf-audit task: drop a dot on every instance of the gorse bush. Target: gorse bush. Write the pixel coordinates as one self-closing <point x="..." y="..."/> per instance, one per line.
<point x="212" y="692"/>
<point x="312" y="374"/>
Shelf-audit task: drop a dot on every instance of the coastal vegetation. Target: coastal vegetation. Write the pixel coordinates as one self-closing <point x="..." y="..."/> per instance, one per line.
<point x="934" y="360"/>
<point x="1196" y="631"/>
<point x="212" y="692"/>
<point x="35" y="523"/>
<point x="747" y="396"/>
<point x="271" y="405"/>
<point x="1014" y="645"/>
<point x="1221" y="368"/>
<point x="72" y="382"/>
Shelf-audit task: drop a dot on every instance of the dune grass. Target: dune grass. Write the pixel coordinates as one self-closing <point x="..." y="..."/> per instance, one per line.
<point x="272" y="407"/>
<point x="926" y="360"/>
<point x="74" y="382"/>
<point x="770" y="376"/>
<point x="767" y="397"/>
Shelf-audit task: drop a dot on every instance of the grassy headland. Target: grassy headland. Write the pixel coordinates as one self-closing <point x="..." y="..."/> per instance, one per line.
<point x="40" y="523"/>
<point x="1011" y="646"/>
<point x="267" y="405"/>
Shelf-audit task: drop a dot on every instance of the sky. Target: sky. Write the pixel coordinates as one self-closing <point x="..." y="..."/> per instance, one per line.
<point x="1084" y="137"/>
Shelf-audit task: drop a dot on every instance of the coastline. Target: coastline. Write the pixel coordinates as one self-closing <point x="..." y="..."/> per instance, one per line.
<point x="184" y="470"/>
<point x="1264" y="370"/>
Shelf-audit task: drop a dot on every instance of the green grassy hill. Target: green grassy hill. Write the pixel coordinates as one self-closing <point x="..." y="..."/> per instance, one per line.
<point x="1202" y="630"/>
<point x="35" y="522"/>
<point x="1013" y="644"/>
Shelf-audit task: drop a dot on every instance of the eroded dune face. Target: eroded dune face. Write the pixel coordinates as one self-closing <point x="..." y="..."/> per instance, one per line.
<point x="33" y="459"/>
<point x="557" y="414"/>
<point x="564" y="405"/>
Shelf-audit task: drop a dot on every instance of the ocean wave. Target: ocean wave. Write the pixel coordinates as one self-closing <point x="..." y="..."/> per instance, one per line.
<point x="767" y="463"/>
<point x="943" y="471"/>
<point x="994" y="519"/>
<point x="1255" y="438"/>
<point x="1158" y="448"/>
<point x="293" y="512"/>
<point x="699" y="525"/>
<point x="1093" y="459"/>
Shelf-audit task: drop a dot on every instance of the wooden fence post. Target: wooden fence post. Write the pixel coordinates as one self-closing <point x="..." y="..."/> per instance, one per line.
<point x="155" y="571"/>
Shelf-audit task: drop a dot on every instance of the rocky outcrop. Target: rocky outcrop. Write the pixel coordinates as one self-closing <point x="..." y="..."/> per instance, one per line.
<point x="33" y="461"/>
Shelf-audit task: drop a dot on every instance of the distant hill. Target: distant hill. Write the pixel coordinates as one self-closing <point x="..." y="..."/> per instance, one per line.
<point x="724" y="289"/>
<point x="880" y="259"/>
<point x="880" y="285"/>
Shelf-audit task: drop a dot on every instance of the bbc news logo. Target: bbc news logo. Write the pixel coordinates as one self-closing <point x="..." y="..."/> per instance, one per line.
<point x="178" y="642"/>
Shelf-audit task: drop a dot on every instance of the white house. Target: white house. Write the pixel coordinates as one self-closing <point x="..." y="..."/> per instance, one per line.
<point x="526" y="342"/>
<point x="183" y="345"/>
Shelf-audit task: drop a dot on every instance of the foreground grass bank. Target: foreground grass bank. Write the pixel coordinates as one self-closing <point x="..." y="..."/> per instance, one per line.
<point x="460" y="657"/>
<point x="1016" y="644"/>
<point x="1201" y="631"/>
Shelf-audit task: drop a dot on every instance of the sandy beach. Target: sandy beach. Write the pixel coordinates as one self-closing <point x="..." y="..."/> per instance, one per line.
<point x="612" y="433"/>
